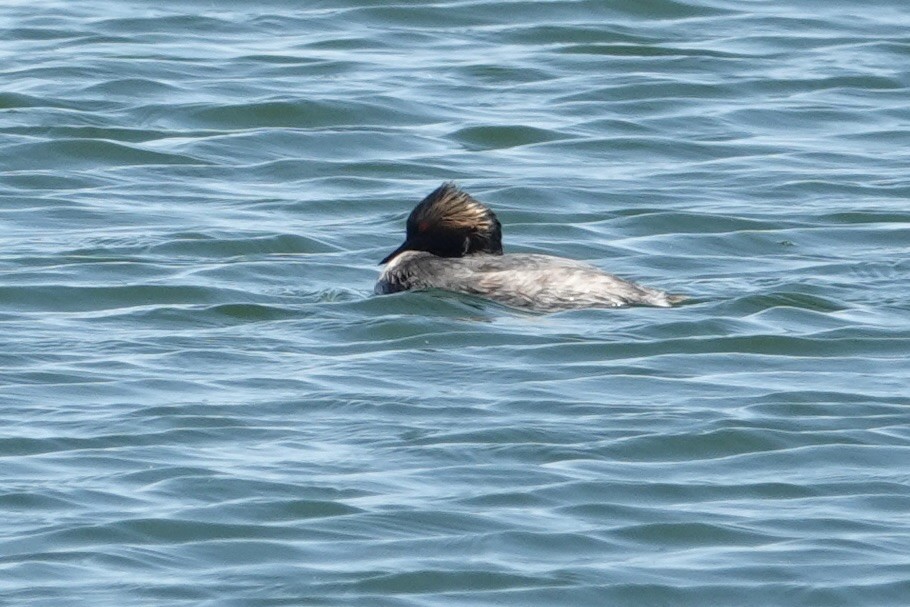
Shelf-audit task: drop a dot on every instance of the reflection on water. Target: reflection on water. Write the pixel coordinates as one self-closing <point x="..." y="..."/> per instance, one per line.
<point x="202" y="402"/>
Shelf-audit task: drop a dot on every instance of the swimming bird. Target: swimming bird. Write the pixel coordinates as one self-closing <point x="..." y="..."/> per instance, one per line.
<point x="454" y="242"/>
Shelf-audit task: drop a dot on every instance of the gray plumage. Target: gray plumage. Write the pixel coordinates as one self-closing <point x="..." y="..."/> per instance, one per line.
<point x="461" y="251"/>
<point x="541" y="283"/>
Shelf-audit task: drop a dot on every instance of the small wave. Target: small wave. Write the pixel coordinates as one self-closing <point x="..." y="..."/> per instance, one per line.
<point x="502" y="136"/>
<point x="86" y="153"/>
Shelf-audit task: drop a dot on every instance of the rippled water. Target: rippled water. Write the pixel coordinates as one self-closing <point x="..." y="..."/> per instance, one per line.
<point x="201" y="402"/>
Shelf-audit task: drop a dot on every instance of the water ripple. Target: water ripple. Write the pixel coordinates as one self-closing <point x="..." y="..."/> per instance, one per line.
<point x="204" y="404"/>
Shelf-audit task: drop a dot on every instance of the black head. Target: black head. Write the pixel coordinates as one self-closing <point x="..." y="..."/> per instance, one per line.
<point x="449" y="223"/>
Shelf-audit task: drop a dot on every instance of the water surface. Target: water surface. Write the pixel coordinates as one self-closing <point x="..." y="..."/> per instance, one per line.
<point x="201" y="403"/>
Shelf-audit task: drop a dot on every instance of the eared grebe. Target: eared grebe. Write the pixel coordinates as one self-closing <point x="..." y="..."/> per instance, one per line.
<point x="454" y="242"/>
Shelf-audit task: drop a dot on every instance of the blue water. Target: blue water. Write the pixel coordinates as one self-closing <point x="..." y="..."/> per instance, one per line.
<point x="202" y="403"/>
